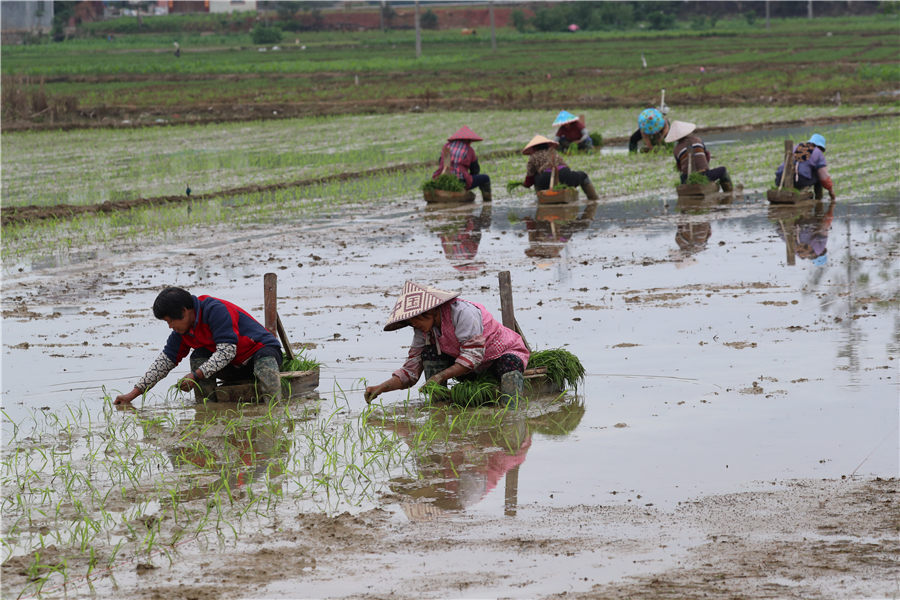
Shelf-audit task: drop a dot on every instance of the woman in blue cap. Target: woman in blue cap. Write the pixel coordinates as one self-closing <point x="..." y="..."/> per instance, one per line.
<point x="652" y="128"/>
<point x="571" y="131"/>
<point x="810" y="168"/>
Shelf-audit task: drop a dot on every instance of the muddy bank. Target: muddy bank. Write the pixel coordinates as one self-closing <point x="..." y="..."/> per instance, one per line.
<point x="12" y="215"/>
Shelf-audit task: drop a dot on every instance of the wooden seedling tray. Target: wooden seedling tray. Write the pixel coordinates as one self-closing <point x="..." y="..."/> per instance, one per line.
<point x="788" y="196"/>
<point x="698" y="190"/>
<point x="562" y="197"/>
<point x="442" y="196"/>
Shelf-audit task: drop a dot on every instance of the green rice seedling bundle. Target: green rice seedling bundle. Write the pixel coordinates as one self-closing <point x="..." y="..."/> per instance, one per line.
<point x="559" y="187"/>
<point x="563" y="368"/>
<point x="511" y="185"/>
<point x="483" y="388"/>
<point x="446" y="182"/>
<point x="435" y="391"/>
<point x="697" y="178"/>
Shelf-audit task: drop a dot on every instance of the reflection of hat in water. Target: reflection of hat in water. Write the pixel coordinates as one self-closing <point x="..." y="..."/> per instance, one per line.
<point x="651" y="121"/>
<point x="679" y="129"/>
<point x="465" y="133"/>
<point x="821" y="261"/>
<point x="537" y="141"/>
<point x="414" y="300"/>
<point x="564" y="117"/>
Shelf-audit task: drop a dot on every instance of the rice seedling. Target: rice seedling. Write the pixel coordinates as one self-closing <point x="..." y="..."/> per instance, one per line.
<point x="697" y="179"/>
<point x="445" y="182"/>
<point x="563" y="368"/>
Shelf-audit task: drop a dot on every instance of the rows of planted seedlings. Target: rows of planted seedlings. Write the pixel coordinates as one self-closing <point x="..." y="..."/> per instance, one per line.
<point x="855" y="171"/>
<point x="93" y="488"/>
<point x="93" y="166"/>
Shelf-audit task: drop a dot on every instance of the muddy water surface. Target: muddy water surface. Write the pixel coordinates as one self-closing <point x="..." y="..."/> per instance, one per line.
<point x="731" y="348"/>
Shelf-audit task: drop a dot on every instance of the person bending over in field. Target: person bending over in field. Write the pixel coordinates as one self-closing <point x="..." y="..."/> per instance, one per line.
<point x="464" y="164"/>
<point x="653" y="126"/>
<point x="691" y="154"/>
<point x="453" y="339"/>
<point x="539" y="171"/>
<point x="810" y="168"/>
<point x="227" y="344"/>
<point x="572" y="130"/>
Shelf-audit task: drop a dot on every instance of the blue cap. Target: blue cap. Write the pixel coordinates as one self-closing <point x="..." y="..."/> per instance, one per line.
<point x="821" y="261"/>
<point x="818" y="140"/>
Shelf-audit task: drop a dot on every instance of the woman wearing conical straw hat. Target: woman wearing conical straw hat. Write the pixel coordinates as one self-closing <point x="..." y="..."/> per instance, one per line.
<point x="539" y="171"/>
<point x="464" y="163"/>
<point x="572" y="131"/>
<point x="453" y="339"/>
<point x="691" y="148"/>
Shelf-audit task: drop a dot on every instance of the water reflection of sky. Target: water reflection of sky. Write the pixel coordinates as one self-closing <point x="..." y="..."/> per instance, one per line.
<point x="673" y="339"/>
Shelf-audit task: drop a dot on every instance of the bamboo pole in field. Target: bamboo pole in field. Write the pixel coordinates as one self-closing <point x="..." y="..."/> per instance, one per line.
<point x="418" y="33"/>
<point x="493" y="28"/>
<point x="270" y="302"/>
<point x="506" y="306"/>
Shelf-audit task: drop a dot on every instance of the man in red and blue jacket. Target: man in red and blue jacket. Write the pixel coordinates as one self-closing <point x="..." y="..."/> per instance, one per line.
<point x="227" y="344"/>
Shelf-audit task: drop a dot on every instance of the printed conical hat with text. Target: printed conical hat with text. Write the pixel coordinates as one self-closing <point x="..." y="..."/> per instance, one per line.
<point x="414" y="300"/>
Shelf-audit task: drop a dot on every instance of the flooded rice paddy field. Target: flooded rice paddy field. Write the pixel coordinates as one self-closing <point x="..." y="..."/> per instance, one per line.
<point x="736" y="434"/>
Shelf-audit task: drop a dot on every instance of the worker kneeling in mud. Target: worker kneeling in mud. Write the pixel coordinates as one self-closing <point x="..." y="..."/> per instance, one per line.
<point x="653" y="126"/>
<point x="572" y="130"/>
<point x="454" y="338"/>
<point x="227" y="344"/>
<point x="691" y="155"/>
<point x="810" y="168"/>
<point x="539" y="171"/>
<point x="464" y="163"/>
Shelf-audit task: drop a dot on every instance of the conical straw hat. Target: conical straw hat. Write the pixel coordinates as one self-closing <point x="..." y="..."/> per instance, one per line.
<point x="414" y="300"/>
<point x="564" y="117"/>
<point x="537" y="141"/>
<point x="679" y="129"/>
<point x="465" y="133"/>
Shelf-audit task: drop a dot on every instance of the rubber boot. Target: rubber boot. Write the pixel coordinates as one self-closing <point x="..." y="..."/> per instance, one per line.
<point x="486" y="193"/>
<point x="268" y="379"/>
<point x="819" y="191"/>
<point x="206" y="387"/>
<point x="589" y="190"/>
<point x="725" y="182"/>
<point x="512" y="389"/>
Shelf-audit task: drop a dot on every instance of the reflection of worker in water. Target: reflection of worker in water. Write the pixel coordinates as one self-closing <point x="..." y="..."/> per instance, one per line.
<point x="810" y="167"/>
<point x="460" y="240"/>
<point x="542" y="155"/>
<point x="471" y="469"/>
<point x="805" y="232"/>
<point x="453" y="339"/>
<point x="227" y="343"/>
<point x="469" y="465"/>
<point x="554" y="225"/>
<point x="464" y="163"/>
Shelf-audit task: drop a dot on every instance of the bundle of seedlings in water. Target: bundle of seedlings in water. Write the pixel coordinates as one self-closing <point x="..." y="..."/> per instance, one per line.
<point x="510" y="186"/>
<point x="446" y="182"/>
<point x="435" y="392"/>
<point x="300" y="362"/>
<point x="483" y="388"/>
<point x="561" y="187"/>
<point x="563" y="368"/>
<point x="697" y="178"/>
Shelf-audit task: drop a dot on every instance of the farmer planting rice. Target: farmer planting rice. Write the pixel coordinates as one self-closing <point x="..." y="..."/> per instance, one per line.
<point x="692" y="156"/>
<point x="571" y="131"/>
<point x="463" y="162"/>
<point x="653" y="126"/>
<point x="810" y="168"/>
<point x="227" y="344"/>
<point x="539" y="171"/>
<point x="453" y="339"/>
